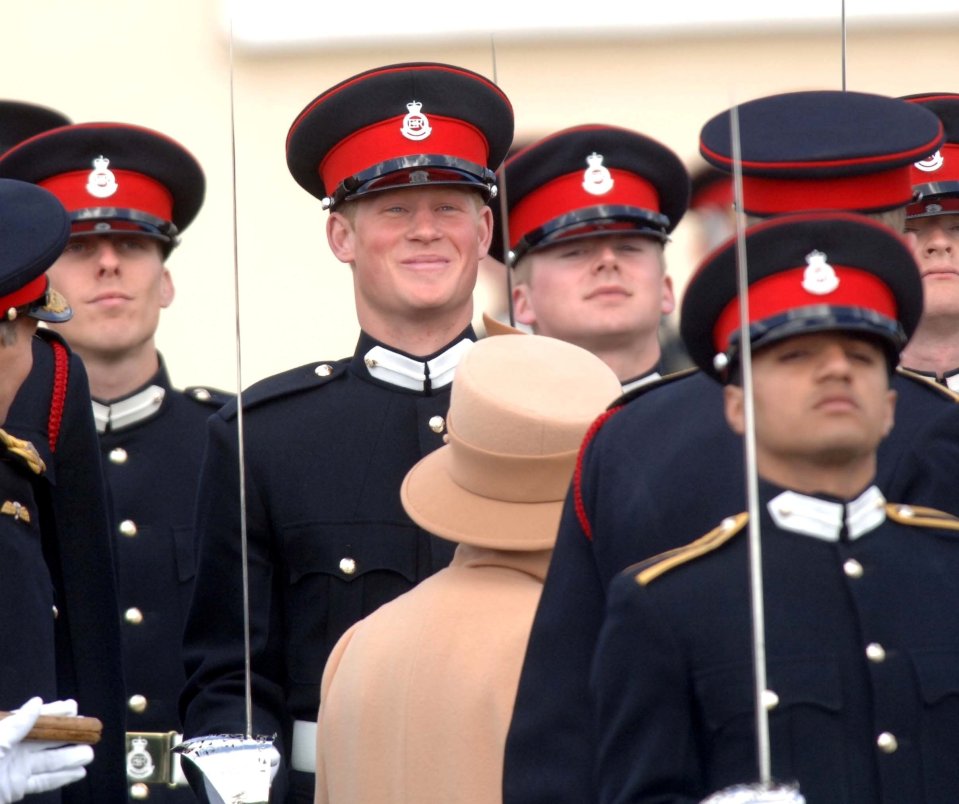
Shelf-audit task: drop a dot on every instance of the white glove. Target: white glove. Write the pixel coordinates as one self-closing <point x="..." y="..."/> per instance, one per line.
<point x="36" y="767"/>
<point x="756" y="794"/>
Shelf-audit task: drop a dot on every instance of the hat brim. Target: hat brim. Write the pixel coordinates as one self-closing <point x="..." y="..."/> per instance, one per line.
<point x="436" y="503"/>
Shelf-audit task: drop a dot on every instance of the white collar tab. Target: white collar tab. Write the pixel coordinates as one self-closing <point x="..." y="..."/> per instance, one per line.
<point x="416" y="375"/>
<point x="124" y="412"/>
<point x="823" y="519"/>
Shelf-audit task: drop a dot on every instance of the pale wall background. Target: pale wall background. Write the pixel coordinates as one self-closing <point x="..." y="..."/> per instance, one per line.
<point x="166" y="65"/>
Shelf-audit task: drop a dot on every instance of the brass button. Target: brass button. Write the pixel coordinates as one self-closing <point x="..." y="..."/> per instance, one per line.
<point x="56" y="612"/>
<point x="133" y="616"/>
<point x="347" y="566"/>
<point x="875" y="652"/>
<point x="370" y="362"/>
<point x="137" y="703"/>
<point x="118" y="455"/>
<point x="437" y="424"/>
<point x="202" y="395"/>
<point x="770" y="699"/>
<point x="887" y="742"/>
<point x="852" y="568"/>
<point x="323" y="370"/>
<point x="128" y="528"/>
<point x="139" y="791"/>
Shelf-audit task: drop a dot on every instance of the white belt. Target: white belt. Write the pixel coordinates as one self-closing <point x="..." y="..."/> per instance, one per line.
<point x="303" y="755"/>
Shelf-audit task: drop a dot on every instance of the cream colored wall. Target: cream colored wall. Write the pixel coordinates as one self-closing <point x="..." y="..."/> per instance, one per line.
<point x="127" y="61"/>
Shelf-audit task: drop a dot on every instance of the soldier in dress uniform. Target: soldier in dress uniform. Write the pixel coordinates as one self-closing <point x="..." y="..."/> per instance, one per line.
<point x="59" y="631"/>
<point x="590" y="211"/>
<point x="131" y="192"/>
<point x="933" y="220"/>
<point x="662" y="464"/>
<point x="403" y="156"/>
<point x="20" y="120"/>
<point x="859" y="593"/>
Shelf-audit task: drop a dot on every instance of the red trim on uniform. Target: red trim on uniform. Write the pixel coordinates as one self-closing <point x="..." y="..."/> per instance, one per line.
<point x="61" y="373"/>
<point x="28" y="293"/>
<point x="874" y="191"/>
<point x="384" y="140"/>
<point x="578" y="473"/>
<point x="783" y="291"/>
<point x="134" y="191"/>
<point x="565" y="194"/>
<point x="948" y="171"/>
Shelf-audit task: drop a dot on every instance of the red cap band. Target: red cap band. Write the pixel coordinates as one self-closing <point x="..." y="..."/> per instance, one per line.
<point x="784" y="291"/>
<point x="718" y="194"/>
<point x="369" y="146"/>
<point x="566" y="194"/>
<point x="28" y="293"/>
<point x="874" y="191"/>
<point x="133" y="191"/>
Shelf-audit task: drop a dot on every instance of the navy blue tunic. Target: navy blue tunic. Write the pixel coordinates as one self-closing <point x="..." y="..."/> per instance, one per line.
<point x="327" y="447"/>
<point x="658" y="473"/>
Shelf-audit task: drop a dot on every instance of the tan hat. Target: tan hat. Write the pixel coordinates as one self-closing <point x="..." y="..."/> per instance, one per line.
<point x="519" y="410"/>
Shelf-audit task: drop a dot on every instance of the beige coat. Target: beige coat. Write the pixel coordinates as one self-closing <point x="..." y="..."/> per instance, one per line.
<point x="417" y="697"/>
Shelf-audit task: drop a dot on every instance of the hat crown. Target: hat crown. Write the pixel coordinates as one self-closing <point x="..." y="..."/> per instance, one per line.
<point x="529" y="395"/>
<point x="34" y="229"/>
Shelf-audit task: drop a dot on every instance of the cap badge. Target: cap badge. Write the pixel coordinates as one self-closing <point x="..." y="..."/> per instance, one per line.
<point x="597" y="179"/>
<point x="101" y="183"/>
<point x="819" y="278"/>
<point x="933" y="209"/>
<point x="931" y="164"/>
<point x="416" y="125"/>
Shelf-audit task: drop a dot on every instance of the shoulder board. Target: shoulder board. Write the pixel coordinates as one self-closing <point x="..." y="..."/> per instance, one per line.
<point x="645" y="388"/>
<point x="649" y="570"/>
<point x="213" y="397"/>
<point x="293" y="381"/>
<point x="929" y="382"/>
<point x="921" y="517"/>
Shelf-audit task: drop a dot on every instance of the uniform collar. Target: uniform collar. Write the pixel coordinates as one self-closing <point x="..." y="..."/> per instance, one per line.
<point x="636" y="382"/>
<point x="950" y="379"/>
<point x="134" y="408"/>
<point x="828" y="520"/>
<point x="421" y="374"/>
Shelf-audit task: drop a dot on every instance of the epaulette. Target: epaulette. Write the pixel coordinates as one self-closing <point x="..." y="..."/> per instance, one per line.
<point x="929" y="382"/>
<point x="651" y="568"/>
<point x="646" y="387"/>
<point x="213" y="397"/>
<point x="293" y="381"/>
<point x="921" y="517"/>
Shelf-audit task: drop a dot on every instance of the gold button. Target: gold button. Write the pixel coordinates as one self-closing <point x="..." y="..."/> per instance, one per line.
<point x="770" y="699"/>
<point x="347" y="566"/>
<point x="202" y="394"/>
<point x="139" y="791"/>
<point x="56" y="612"/>
<point x="370" y="362"/>
<point x="852" y="568"/>
<point x="323" y="370"/>
<point x="437" y="424"/>
<point x="133" y="616"/>
<point x="118" y="455"/>
<point x="128" y="528"/>
<point x="875" y="652"/>
<point x="887" y="742"/>
<point x="137" y="703"/>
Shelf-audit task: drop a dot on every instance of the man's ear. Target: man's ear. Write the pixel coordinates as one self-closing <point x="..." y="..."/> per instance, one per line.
<point x="339" y="234"/>
<point x="167" y="291"/>
<point x="485" y="230"/>
<point x="523" y="310"/>
<point x="734" y="408"/>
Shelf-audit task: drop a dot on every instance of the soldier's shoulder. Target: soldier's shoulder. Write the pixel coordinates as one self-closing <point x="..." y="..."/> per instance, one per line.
<point x="648" y="570"/>
<point x="647" y="388"/>
<point x="286" y="384"/>
<point x="920" y="516"/>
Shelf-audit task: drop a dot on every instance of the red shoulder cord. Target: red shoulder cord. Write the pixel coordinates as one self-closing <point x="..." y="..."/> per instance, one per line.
<point x="61" y="371"/>
<point x="578" y="474"/>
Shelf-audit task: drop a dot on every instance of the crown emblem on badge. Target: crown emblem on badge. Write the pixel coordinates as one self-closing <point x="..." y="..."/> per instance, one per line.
<point x="139" y="762"/>
<point x="597" y="179"/>
<point x="931" y="164"/>
<point x="819" y="278"/>
<point x="416" y="125"/>
<point x="101" y="183"/>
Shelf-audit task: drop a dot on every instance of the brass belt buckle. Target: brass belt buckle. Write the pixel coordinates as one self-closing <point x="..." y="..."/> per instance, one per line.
<point x="149" y="760"/>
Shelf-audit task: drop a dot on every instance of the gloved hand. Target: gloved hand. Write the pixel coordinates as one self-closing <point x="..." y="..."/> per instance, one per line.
<point x="756" y="794"/>
<point x="36" y="767"/>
